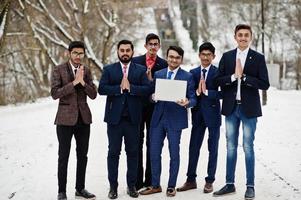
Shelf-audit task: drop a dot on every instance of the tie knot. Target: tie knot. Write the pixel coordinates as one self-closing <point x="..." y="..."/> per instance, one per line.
<point x="204" y="71"/>
<point x="169" y="74"/>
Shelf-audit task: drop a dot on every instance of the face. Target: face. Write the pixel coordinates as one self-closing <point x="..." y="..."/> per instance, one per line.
<point x="243" y="38"/>
<point x="76" y="55"/>
<point x="206" y="57"/>
<point x="125" y="53"/>
<point x="152" y="47"/>
<point x="174" y="59"/>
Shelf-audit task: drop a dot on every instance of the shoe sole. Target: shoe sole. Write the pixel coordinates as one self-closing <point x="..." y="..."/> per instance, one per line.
<point x="221" y="195"/>
<point x="182" y="190"/>
<point x="79" y="197"/>
<point x="207" y="191"/>
<point x="249" y="198"/>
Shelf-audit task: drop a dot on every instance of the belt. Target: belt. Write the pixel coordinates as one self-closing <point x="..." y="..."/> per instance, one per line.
<point x="238" y="102"/>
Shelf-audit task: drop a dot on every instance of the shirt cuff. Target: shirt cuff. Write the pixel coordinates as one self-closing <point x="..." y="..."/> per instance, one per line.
<point x="233" y="78"/>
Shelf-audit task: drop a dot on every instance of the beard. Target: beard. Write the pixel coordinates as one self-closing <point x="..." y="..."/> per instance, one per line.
<point x="125" y="59"/>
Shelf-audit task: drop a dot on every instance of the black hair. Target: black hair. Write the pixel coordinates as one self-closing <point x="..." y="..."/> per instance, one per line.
<point x="151" y="36"/>
<point x="242" y="26"/>
<point x="178" y="49"/>
<point x="207" y="46"/>
<point x="125" y="42"/>
<point x="76" y="44"/>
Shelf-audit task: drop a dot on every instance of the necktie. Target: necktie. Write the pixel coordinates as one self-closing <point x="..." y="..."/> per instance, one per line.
<point x="169" y="74"/>
<point x="75" y="70"/>
<point x="124" y="70"/>
<point x="204" y="73"/>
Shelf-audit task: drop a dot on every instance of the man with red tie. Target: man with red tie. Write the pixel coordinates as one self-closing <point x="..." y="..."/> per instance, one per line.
<point x="152" y="63"/>
<point x="124" y="83"/>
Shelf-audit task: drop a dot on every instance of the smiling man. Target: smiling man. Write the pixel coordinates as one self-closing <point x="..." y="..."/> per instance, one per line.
<point x="241" y="73"/>
<point x="124" y="83"/>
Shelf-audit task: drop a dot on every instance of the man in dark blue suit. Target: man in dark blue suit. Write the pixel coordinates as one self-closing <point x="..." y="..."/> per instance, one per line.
<point x="241" y="73"/>
<point x="206" y="114"/>
<point x="124" y="83"/>
<point x="152" y="63"/>
<point x="168" y="120"/>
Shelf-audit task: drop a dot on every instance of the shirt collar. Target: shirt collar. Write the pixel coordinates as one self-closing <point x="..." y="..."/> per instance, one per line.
<point x="127" y="65"/>
<point x="174" y="71"/>
<point x="207" y="68"/>
<point x="244" y="52"/>
<point x="148" y="57"/>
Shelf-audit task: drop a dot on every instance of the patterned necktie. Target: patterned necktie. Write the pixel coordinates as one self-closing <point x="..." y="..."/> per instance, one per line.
<point x="169" y="74"/>
<point x="204" y="73"/>
<point x="124" y="70"/>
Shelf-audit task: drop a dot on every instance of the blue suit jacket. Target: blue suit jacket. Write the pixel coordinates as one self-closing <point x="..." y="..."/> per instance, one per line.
<point x="109" y="85"/>
<point x="207" y="107"/>
<point x="175" y="114"/>
<point x="256" y="73"/>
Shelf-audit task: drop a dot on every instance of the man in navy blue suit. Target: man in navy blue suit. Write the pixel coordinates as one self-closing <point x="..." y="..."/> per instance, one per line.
<point x="168" y="120"/>
<point x="152" y="63"/>
<point x="206" y="114"/>
<point x="124" y="83"/>
<point x="241" y="73"/>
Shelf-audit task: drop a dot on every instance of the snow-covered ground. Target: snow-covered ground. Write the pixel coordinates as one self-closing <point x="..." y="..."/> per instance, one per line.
<point x="28" y="154"/>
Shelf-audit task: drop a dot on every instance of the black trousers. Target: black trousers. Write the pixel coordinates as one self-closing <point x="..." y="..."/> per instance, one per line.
<point x="130" y="132"/>
<point x="145" y="123"/>
<point x="64" y="135"/>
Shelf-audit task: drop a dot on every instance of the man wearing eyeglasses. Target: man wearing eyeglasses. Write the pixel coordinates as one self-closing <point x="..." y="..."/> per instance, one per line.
<point x="71" y="83"/>
<point x="153" y="63"/>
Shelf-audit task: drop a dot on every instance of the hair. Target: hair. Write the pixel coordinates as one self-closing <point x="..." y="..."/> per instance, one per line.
<point x="125" y="42"/>
<point x="207" y="46"/>
<point x="242" y="26"/>
<point x="178" y="49"/>
<point x="151" y="36"/>
<point x="76" y="44"/>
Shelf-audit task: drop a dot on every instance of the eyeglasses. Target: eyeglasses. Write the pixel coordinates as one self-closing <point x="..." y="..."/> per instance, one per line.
<point x="206" y="54"/>
<point x="78" y="54"/>
<point x="153" y="44"/>
<point x="174" y="57"/>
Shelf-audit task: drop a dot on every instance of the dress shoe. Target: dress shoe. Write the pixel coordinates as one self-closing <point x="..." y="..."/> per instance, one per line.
<point x="250" y="193"/>
<point x="113" y="194"/>
<point x="62" y="196"/>
<point x="84" y="194"/>
<point x="208" y="187"/>
<point x="151" y="190"/>
<point x="171" y="192"/>
<point x="132" y="192"/>
<point x="187" y="186"/>
<point x="227" y="189"/>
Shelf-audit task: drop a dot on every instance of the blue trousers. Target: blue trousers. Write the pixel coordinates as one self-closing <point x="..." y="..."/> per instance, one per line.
<point x="157" y="136"/>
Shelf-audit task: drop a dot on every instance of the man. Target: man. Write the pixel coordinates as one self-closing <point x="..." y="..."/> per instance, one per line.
<point x="71" y="83"/>
<point x="168" y="120"/>
<point x="124" y="83"/>
<point x="241" y="73"/>
<point x="206" y="114"/>
<point x="153" y="63"/>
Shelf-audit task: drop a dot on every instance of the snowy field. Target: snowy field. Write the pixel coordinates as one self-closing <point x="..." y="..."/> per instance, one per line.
<point x="28" y="154"/>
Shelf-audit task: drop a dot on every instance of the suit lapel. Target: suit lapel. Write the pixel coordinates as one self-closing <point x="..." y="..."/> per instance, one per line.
<point x="178" y="75"/>
<point x="70" y="72"/>
<point x="131" y="71"/>
<point x="248" y="60"/>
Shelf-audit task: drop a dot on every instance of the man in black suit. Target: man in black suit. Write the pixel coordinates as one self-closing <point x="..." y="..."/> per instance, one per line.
<point x="242" y="72"/>
<point x="152" y="63"/>
<point x="124" y="83"/>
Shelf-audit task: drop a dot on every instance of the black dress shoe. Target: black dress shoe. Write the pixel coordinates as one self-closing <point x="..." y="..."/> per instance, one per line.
<point x="227" y="189"/>
<point x="250" y="193"/>
<point x="62" y="196"/>
<point x="113" y="194"/>
<point x="132" y="192"/>
<point x="84" y="194"/>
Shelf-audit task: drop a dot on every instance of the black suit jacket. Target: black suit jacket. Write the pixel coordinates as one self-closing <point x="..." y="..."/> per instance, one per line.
<point x="256" y="78"/>
<point x="109" y="85"/>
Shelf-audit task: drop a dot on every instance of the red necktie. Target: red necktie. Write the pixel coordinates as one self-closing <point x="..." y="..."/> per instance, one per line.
<point x="124" y="70"/>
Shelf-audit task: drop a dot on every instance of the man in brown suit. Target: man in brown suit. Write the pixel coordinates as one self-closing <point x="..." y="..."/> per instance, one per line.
<point x="71" y="83"/>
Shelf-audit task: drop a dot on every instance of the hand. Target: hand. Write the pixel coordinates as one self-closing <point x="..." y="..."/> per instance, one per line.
<point x="200" y="87"/>
<point x="81" y="72"/>
<point x="238" y="69"/>
<point x="149" y="74"/>
<point x="183" y="102"/>
<point x="203" y="84"/>
<point x="125" y="84"/>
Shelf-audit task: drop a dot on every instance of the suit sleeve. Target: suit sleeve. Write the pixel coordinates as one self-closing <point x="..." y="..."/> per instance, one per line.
<point x="222" y="79"/>
<point x="105" y="88"/>
<point x="262" y="80"/>
<point x="90" y="88"/>
<point x="57" y="89"/>
<point x="143" y="89"/>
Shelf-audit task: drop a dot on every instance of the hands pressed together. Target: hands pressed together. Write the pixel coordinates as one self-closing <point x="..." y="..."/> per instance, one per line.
<point x="79" y="76"/>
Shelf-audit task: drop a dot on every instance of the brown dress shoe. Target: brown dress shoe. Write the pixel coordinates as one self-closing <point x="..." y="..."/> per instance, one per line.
<point x="171" y="192"/>
<point x="187" y="186"/>
<point x="208" y="188"/>
<point x="151" y="190"/>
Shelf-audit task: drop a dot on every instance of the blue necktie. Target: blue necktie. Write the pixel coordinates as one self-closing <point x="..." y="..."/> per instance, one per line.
<point x="204" y="73"/>
<point x="169" y="74"/>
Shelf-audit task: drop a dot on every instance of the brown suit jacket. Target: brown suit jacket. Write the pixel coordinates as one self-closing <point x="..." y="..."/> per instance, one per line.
<point x="72" y="99"/>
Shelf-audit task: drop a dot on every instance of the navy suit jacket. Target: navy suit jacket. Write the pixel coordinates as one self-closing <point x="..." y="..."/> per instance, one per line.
<point x="256" y="78"/>
<point x="207" y="107"/>
<point x="175" y="114"/>
<point x="109" y="85"/>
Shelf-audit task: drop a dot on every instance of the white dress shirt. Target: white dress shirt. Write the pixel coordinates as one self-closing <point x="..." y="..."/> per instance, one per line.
<point x="242" y="55"/>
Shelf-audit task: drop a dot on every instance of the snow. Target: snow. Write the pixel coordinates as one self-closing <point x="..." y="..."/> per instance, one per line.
<point x="28" y="154"/>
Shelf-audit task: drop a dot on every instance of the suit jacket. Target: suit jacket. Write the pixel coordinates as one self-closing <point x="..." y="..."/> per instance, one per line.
<point x="72" y="99"/>
<point x="175" y="114"/>
<point x="159" y="64"/>
<point x="256" y="78"/>
<point x="207" y="107"/>
<point x="109" y="85"/>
